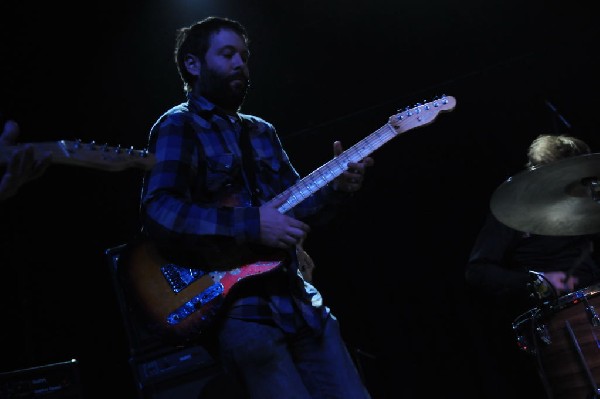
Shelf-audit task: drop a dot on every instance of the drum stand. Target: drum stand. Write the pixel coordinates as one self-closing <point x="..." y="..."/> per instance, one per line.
<point x="538" y="333"/>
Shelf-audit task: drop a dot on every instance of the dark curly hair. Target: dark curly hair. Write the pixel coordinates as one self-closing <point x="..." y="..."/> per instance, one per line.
<point x="195" y="39"/>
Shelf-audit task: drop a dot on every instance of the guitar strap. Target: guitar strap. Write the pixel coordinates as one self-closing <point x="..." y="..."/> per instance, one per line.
<point x="248" y="163"/>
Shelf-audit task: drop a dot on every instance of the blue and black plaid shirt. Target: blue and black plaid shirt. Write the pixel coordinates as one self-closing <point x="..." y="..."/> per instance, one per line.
<point x="197" y="194"/>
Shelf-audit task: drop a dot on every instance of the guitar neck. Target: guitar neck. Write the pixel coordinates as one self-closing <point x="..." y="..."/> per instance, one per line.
<point x="90" y="155"/>
<point x="421" y="115"/>
<point x="327" y="172"/>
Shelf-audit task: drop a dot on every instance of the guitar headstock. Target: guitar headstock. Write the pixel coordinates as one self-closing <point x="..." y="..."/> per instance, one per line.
<point x="102" y="157"/>
<point x="421" y="114"/>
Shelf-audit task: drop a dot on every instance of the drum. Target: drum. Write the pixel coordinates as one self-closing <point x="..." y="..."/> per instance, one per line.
<point x="563" y="337"/>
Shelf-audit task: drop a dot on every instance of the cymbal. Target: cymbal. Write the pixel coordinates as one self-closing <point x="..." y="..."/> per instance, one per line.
<point x="557" y="199"/>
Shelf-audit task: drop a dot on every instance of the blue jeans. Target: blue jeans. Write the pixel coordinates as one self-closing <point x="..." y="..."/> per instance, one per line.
<point x="271" y="364"/>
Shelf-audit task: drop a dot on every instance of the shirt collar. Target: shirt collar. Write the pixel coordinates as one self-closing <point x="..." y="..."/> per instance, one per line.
<point x="202" y="105"/>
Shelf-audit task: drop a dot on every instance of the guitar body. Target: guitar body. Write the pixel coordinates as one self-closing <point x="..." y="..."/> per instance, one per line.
<point x="178" y="301"/>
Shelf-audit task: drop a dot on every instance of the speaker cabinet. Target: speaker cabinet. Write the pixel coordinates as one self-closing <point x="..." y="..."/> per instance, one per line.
<point x="51" y="381"/>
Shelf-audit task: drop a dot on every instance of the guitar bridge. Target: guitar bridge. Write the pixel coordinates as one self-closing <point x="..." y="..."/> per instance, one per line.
<point x="180" y="277"/>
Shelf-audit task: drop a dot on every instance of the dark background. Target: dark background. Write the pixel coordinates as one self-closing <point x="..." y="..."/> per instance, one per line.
<point x="391" y="266"/>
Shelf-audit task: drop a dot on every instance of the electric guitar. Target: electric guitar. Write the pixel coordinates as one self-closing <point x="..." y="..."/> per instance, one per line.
<point x="91" y="155"/>
<point x="181" y="300"/>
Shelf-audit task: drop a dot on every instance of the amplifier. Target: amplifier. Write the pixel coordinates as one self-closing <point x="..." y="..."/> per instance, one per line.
<point x="51" y="381"/>
<point x="172" y="364"/>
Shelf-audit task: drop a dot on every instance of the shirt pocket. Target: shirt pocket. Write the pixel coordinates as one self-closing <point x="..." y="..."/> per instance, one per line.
<point x="221" y="171"/>
<point x="269" y="172"/>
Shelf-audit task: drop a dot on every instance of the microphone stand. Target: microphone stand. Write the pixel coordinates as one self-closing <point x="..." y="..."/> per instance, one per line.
<point x="558" y="115"/>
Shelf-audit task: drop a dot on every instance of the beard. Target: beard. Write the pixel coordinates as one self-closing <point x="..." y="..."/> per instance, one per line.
<point x="228" y="92"/>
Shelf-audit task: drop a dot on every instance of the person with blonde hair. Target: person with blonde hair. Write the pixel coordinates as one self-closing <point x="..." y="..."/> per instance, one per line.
<point x="547" y="148"/>
<point x="510" y="271"/>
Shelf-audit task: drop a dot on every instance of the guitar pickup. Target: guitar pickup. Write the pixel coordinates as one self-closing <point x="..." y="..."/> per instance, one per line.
<point x="180" y="277"/>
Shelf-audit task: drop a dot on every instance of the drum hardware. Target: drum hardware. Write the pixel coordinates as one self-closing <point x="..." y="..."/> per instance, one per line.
<point x="543" y="333"/>
<point x="582" y="360"/>
<point x="591" y="311"/>
<point x="540" y="288"/>
<point x="538" y="331"/>
<point x="561" y="198"/>
<point x="594" y="186"/>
